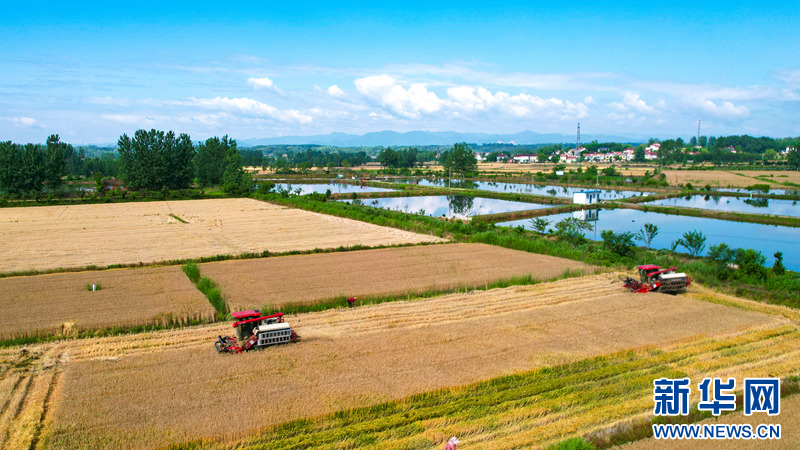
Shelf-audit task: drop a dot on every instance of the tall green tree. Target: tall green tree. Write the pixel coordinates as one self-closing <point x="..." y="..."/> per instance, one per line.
<point x="460" y="160"/>
<point x="647" y="234"/>
<point x="694" y="242"/>
<point x="388" y="158"/>
<point x="235" y="180"/>
<point x="154" y="160"/>
<point x="211" y="159"/>
<point x="33" y="167"/>
<point x="638" y="154"/>
<point x="793" y="158"/>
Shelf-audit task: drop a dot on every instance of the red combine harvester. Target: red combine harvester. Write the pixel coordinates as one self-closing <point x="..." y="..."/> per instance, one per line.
<point x="656" y="278"/>
<point x="254" y="331"/>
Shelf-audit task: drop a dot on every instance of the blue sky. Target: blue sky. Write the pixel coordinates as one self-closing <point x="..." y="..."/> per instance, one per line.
<point x="92" y="71"/>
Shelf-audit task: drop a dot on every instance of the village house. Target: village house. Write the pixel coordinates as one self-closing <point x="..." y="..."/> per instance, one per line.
<point x="525" y="158"/>
<point x="654" y="147"/>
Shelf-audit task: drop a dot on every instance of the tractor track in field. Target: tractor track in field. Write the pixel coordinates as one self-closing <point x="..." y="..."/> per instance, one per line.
<point x="30" y="399"/>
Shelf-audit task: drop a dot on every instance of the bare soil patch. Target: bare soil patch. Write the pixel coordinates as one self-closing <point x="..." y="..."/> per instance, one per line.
<point x="61" y="304"/>
<point x="307" y="279"/>
<point x="156" y="388"/>
<point x="49" y="237"/>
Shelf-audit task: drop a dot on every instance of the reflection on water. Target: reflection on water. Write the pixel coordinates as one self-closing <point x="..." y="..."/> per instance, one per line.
<point x="755" y="205"/>
<point x="460" y="206"/>
<point x="587" y="215"/>
<point x="759" y="202"/>
<point x="335" y="188"/>
<point x="756" y="191"/>
<point x="767" y="239"/>
<point x="521" y="188"/>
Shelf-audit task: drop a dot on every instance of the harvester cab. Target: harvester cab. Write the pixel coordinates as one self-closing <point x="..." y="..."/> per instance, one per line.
<point x="254" y="331"/>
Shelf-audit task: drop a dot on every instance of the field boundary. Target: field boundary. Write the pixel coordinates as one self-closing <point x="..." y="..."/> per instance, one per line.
<point x="214" y="258"/>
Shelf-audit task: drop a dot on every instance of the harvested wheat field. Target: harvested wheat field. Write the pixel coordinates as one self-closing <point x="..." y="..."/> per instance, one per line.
<point x="306" y="279"/>
<point x="47" y="237"/>
<point x="62" y="304"/>
<point x="156" y="388"/>
<point x="718" y="178"/>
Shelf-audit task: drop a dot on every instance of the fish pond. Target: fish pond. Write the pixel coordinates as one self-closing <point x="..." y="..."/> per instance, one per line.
<point x="321" y="188"/>
<point x="767" y="239"/>
<point x="458" y="206"/>
<point x="521" y="188"/>
<point x="755" y="205"/>
<point x="771" y="191"/>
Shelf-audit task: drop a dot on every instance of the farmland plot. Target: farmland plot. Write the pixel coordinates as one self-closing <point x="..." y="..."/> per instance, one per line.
<point x="143" y="386"/>
<point x="61" y="303"/>
<point x="306" y="279"/>
<point x="49" y="237"/>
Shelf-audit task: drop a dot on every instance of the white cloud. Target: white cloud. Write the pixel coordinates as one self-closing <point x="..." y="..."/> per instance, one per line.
<point x="410" y="103"/>
<point x="789" y="76"/>
<point x="335" y="91"/>
<point x="25" y="122"/>
<point x="632" y="102"/>
<point x="725" y="109"/>
<point x="417" y="101"/>
<point x="259" y="83"/>
<point x="250" y="107"/>
<point x="130" y="119"/>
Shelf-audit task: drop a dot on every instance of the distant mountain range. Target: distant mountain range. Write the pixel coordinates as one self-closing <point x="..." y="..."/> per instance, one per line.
<point x="393" y="138"/>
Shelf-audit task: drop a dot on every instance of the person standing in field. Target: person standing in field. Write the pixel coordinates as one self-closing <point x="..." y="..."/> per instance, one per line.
<point x="351" y="302"/>
<point x="451" y="444"/>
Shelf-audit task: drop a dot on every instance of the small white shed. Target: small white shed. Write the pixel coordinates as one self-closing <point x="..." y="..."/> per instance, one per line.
<point x="586" y="197"/>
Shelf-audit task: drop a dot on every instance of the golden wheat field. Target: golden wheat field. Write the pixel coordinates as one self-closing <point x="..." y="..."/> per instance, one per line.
<point x="152" y="389"/>
<point x="722" y="178"/>
<point x="47" y="237"/>
<point x="306" y="279"/>
<point x="61" y="303"/>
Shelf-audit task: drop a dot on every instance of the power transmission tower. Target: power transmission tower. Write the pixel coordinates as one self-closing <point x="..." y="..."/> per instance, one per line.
<point x="578" y="142"/>
<point x="698" y="132"/>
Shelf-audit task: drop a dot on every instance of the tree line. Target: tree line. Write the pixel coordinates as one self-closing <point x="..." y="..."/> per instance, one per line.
<point x="155" y="160"/>
<point x="149" y="160"/>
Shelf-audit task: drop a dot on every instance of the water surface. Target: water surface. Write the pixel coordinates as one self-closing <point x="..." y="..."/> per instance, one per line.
<point x="522" y="188"/>
<point x="767" y="239"/>
<point x="459" y="206"/>
<point x="755" y="205"/>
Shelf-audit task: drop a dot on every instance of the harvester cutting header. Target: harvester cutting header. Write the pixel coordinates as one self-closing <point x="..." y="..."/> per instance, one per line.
<point x="655" y="278"/>
<point x="254" y="331"/>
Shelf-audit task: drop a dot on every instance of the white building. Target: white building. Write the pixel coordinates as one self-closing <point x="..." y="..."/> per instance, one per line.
<point x="525" y="158"/>
<point x="567" y="158"/>
<point x="586" y="197"/>
<point x="629" y="154"/>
